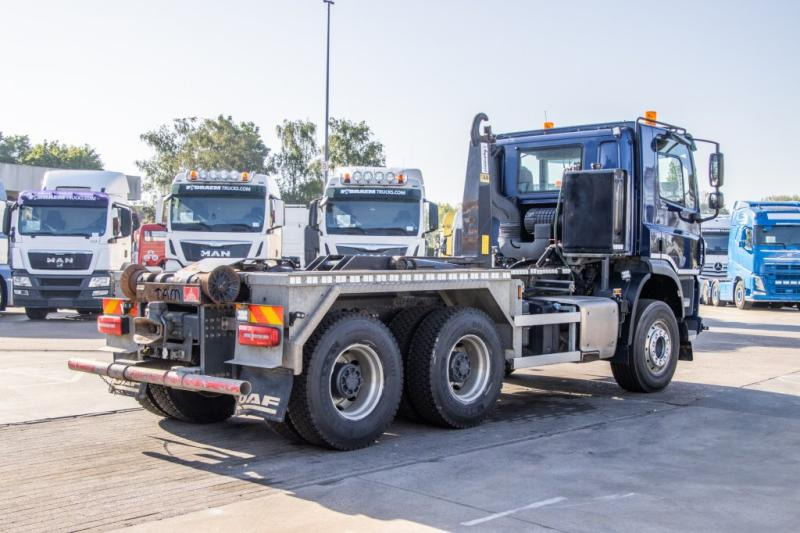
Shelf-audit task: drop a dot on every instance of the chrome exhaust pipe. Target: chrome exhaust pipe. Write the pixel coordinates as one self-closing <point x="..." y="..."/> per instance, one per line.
<point x="167" y="378"/>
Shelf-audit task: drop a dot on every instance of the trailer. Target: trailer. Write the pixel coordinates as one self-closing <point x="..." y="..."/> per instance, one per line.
<point x="578" y="245"/>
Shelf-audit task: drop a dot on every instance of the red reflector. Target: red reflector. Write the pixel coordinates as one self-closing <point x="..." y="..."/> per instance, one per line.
<point x="191" y="294"/>
<point x="109" y="325"/>
<point x="251" y="335"/>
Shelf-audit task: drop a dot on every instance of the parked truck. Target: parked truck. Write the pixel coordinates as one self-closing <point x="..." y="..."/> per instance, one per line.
<point x="221" y="214"/>
<point x="715" y="264"/>
<point x="372" y="210"/>
<point x="68" y="238"/>
<point x="763" y="256"/>
<point x="578" y="244"/>
<point x="5" y="268"/>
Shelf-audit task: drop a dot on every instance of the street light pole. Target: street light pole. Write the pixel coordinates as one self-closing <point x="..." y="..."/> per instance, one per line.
<point x="327" y="85"/>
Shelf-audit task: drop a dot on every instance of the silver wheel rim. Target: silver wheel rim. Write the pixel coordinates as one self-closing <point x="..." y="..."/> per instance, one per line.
<point x="658" y="347"/>
<point x="468" y="368"/>
<point x="739" y="293"/>
<point x="355" y="383"/>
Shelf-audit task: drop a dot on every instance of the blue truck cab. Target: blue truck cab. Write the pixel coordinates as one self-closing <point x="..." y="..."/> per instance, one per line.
<point x="763" y="254"/>
<point x="5" y="268"/>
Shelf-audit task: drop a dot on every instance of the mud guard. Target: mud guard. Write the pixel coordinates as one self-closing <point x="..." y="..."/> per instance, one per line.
<point x="269" y="397"/>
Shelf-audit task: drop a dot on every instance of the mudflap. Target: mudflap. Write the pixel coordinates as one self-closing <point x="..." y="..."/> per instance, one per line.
<point x="269" y="397"/>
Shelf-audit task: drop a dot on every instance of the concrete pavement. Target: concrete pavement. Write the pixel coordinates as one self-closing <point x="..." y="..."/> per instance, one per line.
<point x="565" y="450"/>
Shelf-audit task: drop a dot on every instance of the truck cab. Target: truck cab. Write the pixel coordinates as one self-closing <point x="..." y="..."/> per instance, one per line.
<point x="224" y="215"/>
<point x="373" y="211"/>
<point x="5" y="268"/>
<point x="67" y="238"/>
<point x="763" y="254"/>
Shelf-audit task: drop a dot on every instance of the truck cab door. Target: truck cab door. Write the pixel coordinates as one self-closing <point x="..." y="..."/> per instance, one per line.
<point x="121" y="240"/>
<point x="670" y="199"/>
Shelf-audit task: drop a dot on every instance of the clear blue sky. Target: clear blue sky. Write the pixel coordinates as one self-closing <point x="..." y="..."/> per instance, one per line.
<point x="102" y="72"/>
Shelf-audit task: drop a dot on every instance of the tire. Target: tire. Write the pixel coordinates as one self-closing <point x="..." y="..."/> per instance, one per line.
<point x="86" y="312"/>
<point x="286" y="429"/>
<point x="146" y="400"/>
<point x="715" y="301"/>
<point x="36" y="313"/>
<point x="358" y="410"/>
<point x="194" y="407"/>
<point x="704" y="290"/>
<point x="739" y="296"/>
<point x="456" y="367"/>
<point x="403" y="326"/>
<point x="657" y="334"/>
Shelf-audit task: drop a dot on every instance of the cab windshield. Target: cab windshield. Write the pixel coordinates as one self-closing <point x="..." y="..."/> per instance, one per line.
<point x="716" y="243"/>
<point x="783" y="235"/>
<point x="83" y="220"/>
<point x="370" y="211"/>
<point x="237" y="208"/>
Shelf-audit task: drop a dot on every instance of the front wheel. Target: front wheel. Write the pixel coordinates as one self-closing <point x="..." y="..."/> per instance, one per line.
<point x="715" y="300"/>
<point x="351" y="383"/>
<point x="653" y="357"/>
<point x="36" y="313"/>
<point x="455" y="367"/>
<point x="739" y="296"/>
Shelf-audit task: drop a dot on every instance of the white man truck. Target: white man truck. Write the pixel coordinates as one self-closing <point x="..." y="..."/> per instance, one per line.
<point x="373" y="211"/>
<point x="5" y="269"/>
<point x="222" y="214"/>
<point x="66" y="239"/>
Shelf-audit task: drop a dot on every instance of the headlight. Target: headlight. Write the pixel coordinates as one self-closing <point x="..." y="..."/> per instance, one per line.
<point x="22" y="281"/>
<point x="357" y="176"/>
<point x="368" y="177"/>
<point x="390" y="177"/>
<point x="758" y="283"/>
<point x="100" y="281"/>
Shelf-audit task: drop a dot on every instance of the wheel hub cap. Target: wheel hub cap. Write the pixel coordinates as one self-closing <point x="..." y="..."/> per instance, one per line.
<point x="459" y="367"/>
<point x="658" y="347"/>
<point x="348" y="380"/>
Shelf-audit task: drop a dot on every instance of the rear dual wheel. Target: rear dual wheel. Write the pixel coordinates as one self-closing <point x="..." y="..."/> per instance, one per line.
<point x="352" y="382"/>
<point x="455" y="367"/>
<point x="186" y="406"/>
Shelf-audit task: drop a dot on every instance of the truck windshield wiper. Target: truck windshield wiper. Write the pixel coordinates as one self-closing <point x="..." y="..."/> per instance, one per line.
<point x="231" y="227"/>
<point x="353" y="229"/>
<point x="194" y="226"/>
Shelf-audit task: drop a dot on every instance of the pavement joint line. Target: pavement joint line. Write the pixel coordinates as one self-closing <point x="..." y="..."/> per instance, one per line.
<point x="501" y="514"/>
<point x="68" y="417"/>
<point x="770" y="379"/>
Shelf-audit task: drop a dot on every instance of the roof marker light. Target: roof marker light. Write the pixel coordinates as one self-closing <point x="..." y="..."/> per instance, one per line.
<point x="193" y="175"/>
<point x="401" y="178"/>
<point x="346" y="177"/>
<point x="245" y="176"/>
<point x="650" y="117"/>
<point x="548" y="125"/>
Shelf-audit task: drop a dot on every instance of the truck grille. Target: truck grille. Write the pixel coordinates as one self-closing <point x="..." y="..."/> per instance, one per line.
<point x="714" y="270"/>
<point x="195" y="251"/>
<point x="786" y="278"/>
<point x="60" y="260"/>
<point x="60" y="282"/>
<point x="60" y="294"/>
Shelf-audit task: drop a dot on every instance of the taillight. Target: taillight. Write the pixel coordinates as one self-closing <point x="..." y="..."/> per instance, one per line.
<point x="110" y="325"/>
<point x="251" y="335"/>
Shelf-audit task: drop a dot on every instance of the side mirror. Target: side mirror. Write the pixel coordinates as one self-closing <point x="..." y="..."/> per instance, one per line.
<point x="313" y="214"/>
<point x="115" y="229"/>
<point x="716" y="200"/>
<point x="433" y="216"/>
<point x="6" y="218"/>
<point x="716" y="169"/>
<point x="159" y="215"/>
<point x="136" y="222"/>
<point x="277" y="212"/>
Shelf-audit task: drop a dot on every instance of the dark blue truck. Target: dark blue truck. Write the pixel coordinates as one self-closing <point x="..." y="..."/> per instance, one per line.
<point x="578" y="244"/>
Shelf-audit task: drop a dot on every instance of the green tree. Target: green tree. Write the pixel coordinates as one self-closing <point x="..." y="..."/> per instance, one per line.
<point x="352" y="144"/>
<point x="782" y="198"/>
<point x="219" y="143"/>
<point x="58" y="155"/>
<point x="297" y="161"/>
<point x="12" y="148"/>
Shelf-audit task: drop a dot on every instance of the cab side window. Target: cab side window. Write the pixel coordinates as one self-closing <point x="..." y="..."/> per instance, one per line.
<point x="676" y="177"/>
<point x="747" y="238"/>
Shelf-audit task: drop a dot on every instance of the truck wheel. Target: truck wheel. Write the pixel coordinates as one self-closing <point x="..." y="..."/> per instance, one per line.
<point x="351" y="383"/>
<point x="739" y="296"/>
<point x="403" y="326"/>
<point x="196" y="407"/>
<point x="715" y="301"/>
<point x="146" y="400"/>
<point x="653" y="357"/>
<point x="36" y="313"/>
<point x="286" y="429"/>
<point x="704" y="290"/>
<point x="456" y="367"/>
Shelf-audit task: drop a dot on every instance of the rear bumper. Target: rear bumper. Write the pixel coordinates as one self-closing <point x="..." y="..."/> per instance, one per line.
<point x="60" y="291"/>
